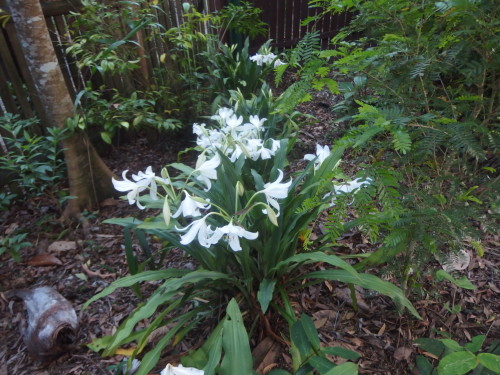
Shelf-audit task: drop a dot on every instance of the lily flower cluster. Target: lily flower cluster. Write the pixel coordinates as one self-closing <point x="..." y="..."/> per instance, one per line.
<point x="269" y="58"/>
<point x="322" y="152"/>
<point x="234" y="139"/>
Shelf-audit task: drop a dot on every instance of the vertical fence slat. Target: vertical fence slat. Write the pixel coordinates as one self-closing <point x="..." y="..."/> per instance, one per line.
<point x="283" y="18"/>
<point x="5" y="95"/>
<point x="14" y="76"/>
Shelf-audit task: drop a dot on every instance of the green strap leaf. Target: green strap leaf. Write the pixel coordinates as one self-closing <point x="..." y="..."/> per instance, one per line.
<point x="341" y="352"/>
<point x="347" y="368"/>
<point x="320" y="257"/>
<point x="463" y="282"/>
<point x="366" y="281"/>
<point x="133" y="279"/>
<point x="237" y="355"/>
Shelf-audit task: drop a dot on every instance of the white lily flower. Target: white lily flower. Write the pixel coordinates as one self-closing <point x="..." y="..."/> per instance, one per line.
<point x="143" y="180"/>
<point x="352" y="186"/>
<point x="278" y="62"/>
<point x="223" y="114"/>
<point x="207" y="169"/>
<point x="198" y="229"/>
<point x="276" y="190"/>
<point x="181" y="370"/>
<point x="233" y="233"/>
<point x="275" y="145"/>
<point x="322" y="152"/>
<point x="257" y="58"/>
<point x="190" y="207"/>
<point x="257" y="149"/>
<point x="256" y="122"/>
<point x="234" y="153"/>
<point x="233" y="125"/>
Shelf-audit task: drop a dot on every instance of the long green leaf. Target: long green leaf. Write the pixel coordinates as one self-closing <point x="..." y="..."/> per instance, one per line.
<point x="151" y="358"/>
<point x="366" y="281"/>
<point x="163" y="294"/>
<point x="237" y="354"/>
<point x="347" y="368"/>
<point x="319" y="257"/>
<point x="300" y="340"/>
<point x="310" y="330"/>
<point x="133" y="279"/>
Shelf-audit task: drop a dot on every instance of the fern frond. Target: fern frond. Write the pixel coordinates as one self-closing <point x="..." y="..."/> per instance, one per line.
<point x="464" y="140"/>
<point x="401" y="141"/>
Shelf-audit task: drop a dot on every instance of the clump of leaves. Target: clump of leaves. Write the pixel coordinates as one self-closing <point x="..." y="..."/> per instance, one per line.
<point x="419" y="89"/>
<point x="35" y="161"/>
<point x="456" y="359"/>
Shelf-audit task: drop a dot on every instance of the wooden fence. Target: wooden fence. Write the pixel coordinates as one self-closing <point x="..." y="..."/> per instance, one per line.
<point x="283" y="17"/>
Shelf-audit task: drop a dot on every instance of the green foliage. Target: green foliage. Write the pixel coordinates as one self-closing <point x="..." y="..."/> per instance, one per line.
<point x="203" y="64"/>
<point x="456" y="359"/>
<point x="232" y="69"/>
<point x="6" y="199"/>
<point x="420" y="91"/>
<point x="308" y="355"/>
<point x="242" y="18"/>
<point x="240" y="219"/>
<point x="137" y="111"/>
<point x="34" y="160"/>
<point x="13" y="243"/>
<point x="106" y="42"/>
<point x="105" y="35"/>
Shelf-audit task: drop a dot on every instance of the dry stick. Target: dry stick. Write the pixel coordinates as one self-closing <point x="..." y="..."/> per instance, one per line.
<point x="269" y="331"/>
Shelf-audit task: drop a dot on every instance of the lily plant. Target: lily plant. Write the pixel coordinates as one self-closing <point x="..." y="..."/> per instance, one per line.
<point x="239" y="213"/>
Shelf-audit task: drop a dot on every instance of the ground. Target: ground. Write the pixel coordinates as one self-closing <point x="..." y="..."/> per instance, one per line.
<point x="81" y="260"/>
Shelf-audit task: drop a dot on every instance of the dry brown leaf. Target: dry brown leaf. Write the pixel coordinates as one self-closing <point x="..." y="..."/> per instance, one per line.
<point x="95" y="273"/>
<point x="344" y="294"/>
<point x="381" y="330"/>
<point x="266" y="354"/>
<point x="403" y="353"/>
<point x="430" y="355"/>
<point x="11" y="228"/>
<point x="357" y="341"/>
<point x="320" y="322"/>
<point x="41" y="260"/>
<point x="60" y="246"/>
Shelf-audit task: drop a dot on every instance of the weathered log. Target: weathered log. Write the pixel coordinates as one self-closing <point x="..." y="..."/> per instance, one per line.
<point x="51" y="324"/>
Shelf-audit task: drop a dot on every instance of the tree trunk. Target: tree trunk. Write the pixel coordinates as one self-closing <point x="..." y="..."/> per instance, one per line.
<point x="89" y="178"/>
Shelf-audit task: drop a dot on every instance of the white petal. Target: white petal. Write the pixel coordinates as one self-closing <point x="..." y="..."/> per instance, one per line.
<point x="234" y="242"/>
<point x="180" y="370"/>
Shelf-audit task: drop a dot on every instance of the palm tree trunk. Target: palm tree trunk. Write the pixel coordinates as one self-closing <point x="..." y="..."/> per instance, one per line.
<point x="89" y="177"/>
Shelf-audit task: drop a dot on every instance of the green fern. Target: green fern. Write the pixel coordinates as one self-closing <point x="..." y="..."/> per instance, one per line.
<point x="402" y="141"/>
<point x="464" y="140"/>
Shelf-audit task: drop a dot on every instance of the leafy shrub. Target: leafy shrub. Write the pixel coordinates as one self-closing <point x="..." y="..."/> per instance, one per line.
<point x="13" y="243"/>
<point x="240" y="219"/>
<point x="35" y="161"/>
<point x="420" y="95"/>
<point x="456" y="359"/>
